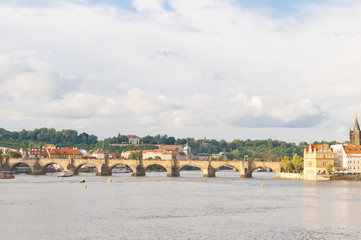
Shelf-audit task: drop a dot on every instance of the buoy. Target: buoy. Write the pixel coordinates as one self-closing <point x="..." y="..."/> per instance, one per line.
<point x="85" y="186"/>
<point x="262" y="184"/>
<point x="105" y="178"/>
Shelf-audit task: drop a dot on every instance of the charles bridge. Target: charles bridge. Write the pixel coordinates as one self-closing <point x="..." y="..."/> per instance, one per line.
<point x="173" y="167"/>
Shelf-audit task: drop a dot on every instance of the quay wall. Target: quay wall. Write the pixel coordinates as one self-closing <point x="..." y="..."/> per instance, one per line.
<point x="296" y="176"/>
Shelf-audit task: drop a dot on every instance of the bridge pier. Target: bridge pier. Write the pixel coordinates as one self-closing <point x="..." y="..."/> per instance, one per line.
<point x="104" y="171"/>
<point x="173" y="172"/>
<point x="72" y="168"/>
<point x="139" y="171"/>
<point x="37" y="169"/>
<point x="209" y="172"/>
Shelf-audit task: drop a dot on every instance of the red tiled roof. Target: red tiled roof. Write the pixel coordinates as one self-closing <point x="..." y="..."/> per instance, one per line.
<point x="132" y="136"/>
<point x="64" y="152"/>
<point x="351" y="149"/>
<point x="99" y="151"/>
<point x="150" y="151"/>
<point x="314" y="147"/>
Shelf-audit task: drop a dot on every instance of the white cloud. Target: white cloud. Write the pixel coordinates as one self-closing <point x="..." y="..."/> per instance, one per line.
<point x="201" y="65"/>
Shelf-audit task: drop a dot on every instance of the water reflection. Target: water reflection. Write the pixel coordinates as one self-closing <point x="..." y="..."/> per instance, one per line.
<point x="153" y="207"/>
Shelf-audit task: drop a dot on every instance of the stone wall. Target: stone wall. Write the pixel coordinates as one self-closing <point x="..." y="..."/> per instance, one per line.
<point x="297" y="176"/>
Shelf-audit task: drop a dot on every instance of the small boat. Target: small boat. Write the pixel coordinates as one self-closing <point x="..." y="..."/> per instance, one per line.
<point x="6" y="175"/>
<point x="66" y="173"/>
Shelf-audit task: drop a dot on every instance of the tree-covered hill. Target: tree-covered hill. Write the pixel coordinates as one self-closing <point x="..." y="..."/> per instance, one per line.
<point x="266" y="150"/>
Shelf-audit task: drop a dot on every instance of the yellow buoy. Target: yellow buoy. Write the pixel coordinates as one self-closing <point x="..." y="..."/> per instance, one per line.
<point x="262" y="184"/>
<point x="105" y="178"/>
<point x="85" y="186"/>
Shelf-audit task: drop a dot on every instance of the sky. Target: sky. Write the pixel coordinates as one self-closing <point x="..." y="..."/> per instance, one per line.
<point x="221" y="69"/>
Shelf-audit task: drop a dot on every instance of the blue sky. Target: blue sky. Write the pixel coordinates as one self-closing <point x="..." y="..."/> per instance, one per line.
<point x="285" y="70"/>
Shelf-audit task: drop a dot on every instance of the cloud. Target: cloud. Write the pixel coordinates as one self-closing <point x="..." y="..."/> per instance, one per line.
<point x="169" y="65"/>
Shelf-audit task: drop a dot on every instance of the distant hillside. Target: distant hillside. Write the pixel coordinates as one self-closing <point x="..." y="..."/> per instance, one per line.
<point x="267" y="150"/>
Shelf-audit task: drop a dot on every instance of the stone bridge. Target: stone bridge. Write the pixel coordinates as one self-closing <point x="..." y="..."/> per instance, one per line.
<point x="139" y="167"/>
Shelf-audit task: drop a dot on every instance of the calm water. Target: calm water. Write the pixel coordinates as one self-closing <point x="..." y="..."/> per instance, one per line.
<point x="188" y="207"/>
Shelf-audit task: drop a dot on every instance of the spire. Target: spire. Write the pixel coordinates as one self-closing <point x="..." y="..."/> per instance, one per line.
<point x="356" y="127"/>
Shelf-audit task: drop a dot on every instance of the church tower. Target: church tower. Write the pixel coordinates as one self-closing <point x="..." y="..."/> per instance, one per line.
<point x="355" y="134"/>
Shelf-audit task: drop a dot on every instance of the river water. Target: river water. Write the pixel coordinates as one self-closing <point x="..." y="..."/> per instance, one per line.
<point x="187" y="207"/>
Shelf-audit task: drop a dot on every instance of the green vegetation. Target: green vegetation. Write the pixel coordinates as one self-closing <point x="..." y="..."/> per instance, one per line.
<point x="136" y="155"/>
<point x="329" y="168"/>
<point x="296" y="165"/>
<point x="38" y="137"/>
<point x="262" y="150"/>
<point x="12" y="154"/>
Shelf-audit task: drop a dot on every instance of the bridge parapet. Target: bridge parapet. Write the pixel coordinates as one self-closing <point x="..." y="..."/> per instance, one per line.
<point x="139" y="167"/>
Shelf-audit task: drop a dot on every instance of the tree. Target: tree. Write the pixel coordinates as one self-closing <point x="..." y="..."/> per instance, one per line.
<point x="329" y="168"/>
<point x="237" y="154"/>
<point x="297" y="162"/>
<point x="136" y="155"/>
<point x="286" y="164"/>
<point x="12" y="154"/>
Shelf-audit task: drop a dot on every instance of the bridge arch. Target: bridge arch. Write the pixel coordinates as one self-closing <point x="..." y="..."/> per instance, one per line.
<point x="129" y="166"/>
<point x="45" y="166"/>
<point x="166" y="168"/>
<point x="274" y="166"/>
<point x="77" y="167"/>
<point x="146" y="165"/>
<point x="187" y="173"/>
<point x="227" y="165"/>
<point x="14" y="166"/>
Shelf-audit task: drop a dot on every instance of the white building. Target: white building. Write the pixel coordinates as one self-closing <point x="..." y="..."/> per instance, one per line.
<point x="133" y="139"/>
<point x="349" y="156"/>
<point x="339" y="155"/>
<point x="99" y="154"/>
<point x="153" y="153"/>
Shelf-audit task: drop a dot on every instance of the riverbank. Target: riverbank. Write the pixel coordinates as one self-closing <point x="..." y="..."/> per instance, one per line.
<point x="345" y="178"/>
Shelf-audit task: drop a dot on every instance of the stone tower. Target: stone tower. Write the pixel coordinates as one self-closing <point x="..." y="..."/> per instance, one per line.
<point x="355" y="134"/>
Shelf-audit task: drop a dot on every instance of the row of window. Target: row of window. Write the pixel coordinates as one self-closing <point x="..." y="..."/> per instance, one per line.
<point x="350" y="167"/>
<point x="354" y="161"/>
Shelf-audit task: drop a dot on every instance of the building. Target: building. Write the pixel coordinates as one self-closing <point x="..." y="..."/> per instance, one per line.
<point x="99" y="154"/>
<point x="133" y="139"/>
<point x="33" y="153"/>
<point x="64" y="153"/>
<point x="339" y="157"/>
<point x="48" y="146"/>
<point x="316" y="159"/>
<point x="171" y="156"/>
<point x="355" y="135"/>
<point x="126" y="154"/>
<point x="152" y="154"/>
<point x="353" y="158"/>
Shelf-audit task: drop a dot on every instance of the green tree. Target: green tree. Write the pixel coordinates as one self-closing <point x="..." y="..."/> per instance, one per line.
<point x="12" y="154"/>
<point x="329" y="168"/>
<point x="297" y="162"/>
<point x="237" y="154"/>
<point x="286" y="164"/>
<point x="136" y="155"/>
